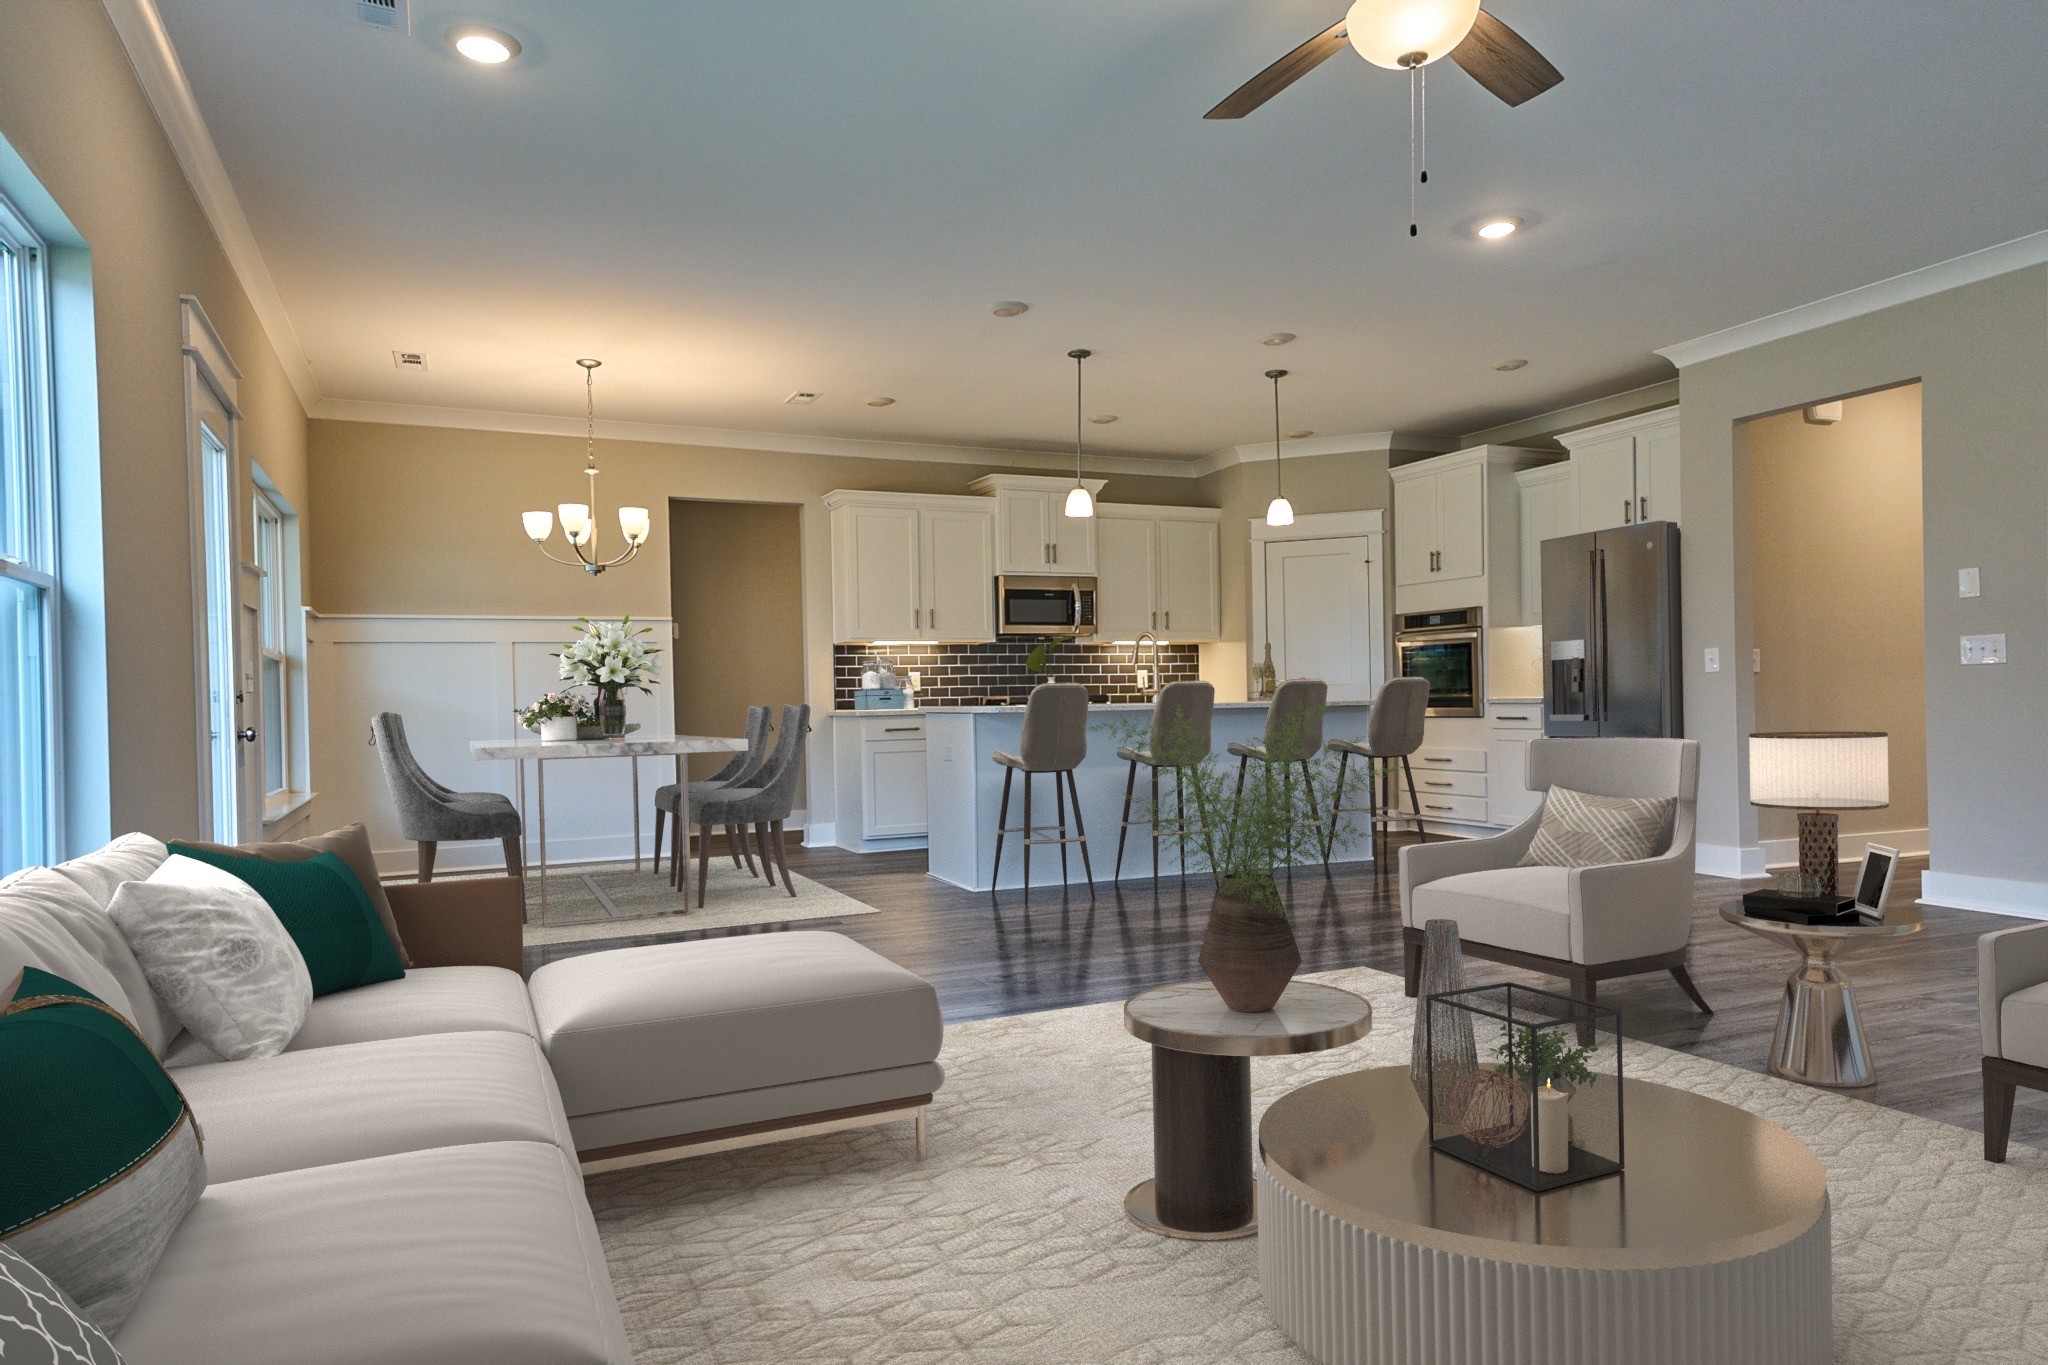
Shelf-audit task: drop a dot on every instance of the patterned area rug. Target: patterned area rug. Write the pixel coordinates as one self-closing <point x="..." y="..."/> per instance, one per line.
<point x="1009" y="1244"/>
<point x="610" y="902"/>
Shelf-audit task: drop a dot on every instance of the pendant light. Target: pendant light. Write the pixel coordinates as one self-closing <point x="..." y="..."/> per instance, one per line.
<point x="1080" y="505"/>
<point x="579" y="527"/>
<point x="1279" y="512"/>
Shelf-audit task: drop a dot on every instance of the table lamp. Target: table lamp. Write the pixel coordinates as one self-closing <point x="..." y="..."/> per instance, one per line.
<point x="1817" y="773"/>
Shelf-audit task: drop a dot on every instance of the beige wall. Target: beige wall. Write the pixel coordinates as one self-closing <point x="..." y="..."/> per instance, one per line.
<point x="1835" y="568"/>
<point x="736" y="579"/>
<point x="71" y="108"/>
<point x="1980" y="352"/>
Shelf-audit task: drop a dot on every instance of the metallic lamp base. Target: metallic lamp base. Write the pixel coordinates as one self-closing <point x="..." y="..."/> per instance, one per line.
<point x="1820" y="850"/>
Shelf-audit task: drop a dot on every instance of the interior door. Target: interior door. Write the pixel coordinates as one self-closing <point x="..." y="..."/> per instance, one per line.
<point x="884" y="603"/>
<point x="1024" y="525"/>
<point x="1125" y="594"/>
<point x="1417" y="514"/>
<point x="1461" y="523"/>
<point x="1607" y="483"/>
<point x="1319" y="613"/>
<point x="959" y="573"/>
<point x="1188" y="576"/>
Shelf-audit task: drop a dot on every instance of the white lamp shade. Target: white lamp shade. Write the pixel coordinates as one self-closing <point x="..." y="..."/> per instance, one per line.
<point x="1385" y="31"/>
<point x="1079" y="504"/>
<point x="1279" y="512"/>
<point x="634" y="524"/>
<point x="539" y="525"/>
<point x="1820" y="770"/>
<point x="575" y="521"/>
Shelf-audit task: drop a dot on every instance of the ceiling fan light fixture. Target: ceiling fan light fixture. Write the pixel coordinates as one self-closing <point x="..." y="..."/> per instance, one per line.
<point x="1398" y="34"/>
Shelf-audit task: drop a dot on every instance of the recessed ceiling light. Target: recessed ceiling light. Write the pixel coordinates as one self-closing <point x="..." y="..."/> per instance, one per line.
<point x="484" y="46"/>
<point x="1103" y="419"/>
<point x="1277" y="339"/>
<point x="1514" y="364"/>
<point x="1493" y="229"/>
<point x="1010" y="308"/>
<point x="879" y="402"/>
<point x="1299" y="435"/>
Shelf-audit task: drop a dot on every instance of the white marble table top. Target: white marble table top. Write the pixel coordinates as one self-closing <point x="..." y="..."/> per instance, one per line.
<point x="625" y="746"/>
<point x="1094" y="708"/>
<point x="1191" y="1017"/>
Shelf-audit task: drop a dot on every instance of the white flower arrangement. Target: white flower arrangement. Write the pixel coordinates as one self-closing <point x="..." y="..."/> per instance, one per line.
<point x="556" y="706"/>
<point x="611" y="656"/>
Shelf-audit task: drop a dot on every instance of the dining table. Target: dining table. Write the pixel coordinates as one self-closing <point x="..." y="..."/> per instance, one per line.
<point x="540" y="752"/>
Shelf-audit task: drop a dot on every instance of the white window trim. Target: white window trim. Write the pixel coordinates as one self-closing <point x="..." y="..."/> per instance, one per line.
<point x="207" y="362"/>
<point x="283" y="588"/>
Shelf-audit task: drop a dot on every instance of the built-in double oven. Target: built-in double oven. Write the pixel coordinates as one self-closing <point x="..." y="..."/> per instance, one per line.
<point x="1043" y="605"/>
<point x="1447" y="649"/>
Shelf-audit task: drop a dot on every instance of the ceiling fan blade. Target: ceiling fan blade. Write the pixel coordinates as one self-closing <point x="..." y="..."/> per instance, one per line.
<point x="1282" y="73"/>
<point x="1501" y="60"/>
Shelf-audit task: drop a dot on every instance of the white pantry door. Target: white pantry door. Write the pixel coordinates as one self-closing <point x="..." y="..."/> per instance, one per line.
<point x="1320" y="613"/>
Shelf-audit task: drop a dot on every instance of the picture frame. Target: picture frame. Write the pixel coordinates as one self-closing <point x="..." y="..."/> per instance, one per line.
<point x="1874" y="881"/>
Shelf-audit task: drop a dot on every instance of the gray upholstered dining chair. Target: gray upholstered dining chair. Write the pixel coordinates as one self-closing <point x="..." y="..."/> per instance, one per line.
<point x="430" y="814"/>
<point x="1182" y="718"/>
<point x="1393" y="731"/>
<point x="1055" y="740"/>
<point x="765" y="804"/>
<point x="1294" y="735"/>
<point x="740" y="767"/>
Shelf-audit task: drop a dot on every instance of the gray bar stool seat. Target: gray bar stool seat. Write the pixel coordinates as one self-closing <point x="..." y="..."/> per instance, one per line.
<point x="1393" y="732"/>
<point x="430" y="814"/>
<point x="1294" y="735"/>
<point x="1180" y="739"/>
<point x="736" y="772"/>
<point x="1055" y="741"/>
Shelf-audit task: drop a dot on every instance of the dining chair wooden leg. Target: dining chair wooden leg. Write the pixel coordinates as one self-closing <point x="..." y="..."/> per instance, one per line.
<point x="660" y="819"/>
<point x="740" y="846"/>
<point x="515" y="859"/>
<point x="1081" y="829"/>
<point x="781" y="857"/>
<point x="1059" y="801"/>
<point x="703" y="862"/>
<point x="1002" y="822"/>
<point x="1123" y="831"/>
<point x="427" y="847"/>
<point x="759" y="840"/>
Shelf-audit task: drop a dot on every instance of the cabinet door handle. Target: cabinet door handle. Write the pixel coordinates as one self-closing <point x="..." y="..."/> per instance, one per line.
<point x="1627" y="512"/>
<point x="1429" y="782"/>
<point x="1155" y="618"/>
<point x="1439" y="807"/>
<point x="932" y="618"/>
<point x="1427" y="759"/>
<point x="1642" y="508"/>
<point x="1169" y="618"/>
<point x="1505" y="716"/>
<point x="1055" y="552"/>
<point x="899" y="729"/>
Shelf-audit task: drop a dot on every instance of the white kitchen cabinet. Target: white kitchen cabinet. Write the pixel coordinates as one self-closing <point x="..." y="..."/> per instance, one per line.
<point x="1126" y="557"/>
<point x="1515" y="724"/>
<point x="1550" y="508"/>
<point x="1627" y="470"/>
<point x="1034" y="534"/>
<point x="1418" y="513"/>
<point x="908" y="567"/>
<point x="1190" y="570"/>
<point x="1157" y="569"/>
<point x="892" y="786"/>
<point x="1457" y="532"/>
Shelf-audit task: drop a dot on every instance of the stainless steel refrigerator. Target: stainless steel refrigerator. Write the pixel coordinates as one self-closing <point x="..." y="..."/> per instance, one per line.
<point x="1610" y="633"/>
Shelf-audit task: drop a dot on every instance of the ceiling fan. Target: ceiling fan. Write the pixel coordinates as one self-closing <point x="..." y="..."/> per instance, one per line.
<point x="1407" y="35"/>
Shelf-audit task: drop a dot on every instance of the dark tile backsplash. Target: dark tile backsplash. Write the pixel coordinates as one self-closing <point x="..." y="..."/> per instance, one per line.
<point x="968" y="675"/>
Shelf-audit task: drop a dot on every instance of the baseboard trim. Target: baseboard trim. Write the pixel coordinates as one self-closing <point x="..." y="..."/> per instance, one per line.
<point x="1729" y="860"/>
<point x="1911" y="843"/>
<point x="1996" y="895"/>
<point x="823" y="835"/>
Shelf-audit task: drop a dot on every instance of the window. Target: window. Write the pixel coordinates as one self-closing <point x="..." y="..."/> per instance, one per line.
<point x="28" y="557"/>
<point x="280" y="651"/>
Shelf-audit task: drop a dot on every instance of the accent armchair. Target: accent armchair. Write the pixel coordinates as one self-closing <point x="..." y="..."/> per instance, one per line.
<point x="2012" y="1004"/>
<point x="1586" y="924"/>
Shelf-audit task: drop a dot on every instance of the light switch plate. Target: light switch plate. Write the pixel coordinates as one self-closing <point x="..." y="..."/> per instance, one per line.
<point x="1756" y="661"/>
<point x="1713" y="661"/>
<point x="1968" y="584"/>
<point x="1983" y="649"/>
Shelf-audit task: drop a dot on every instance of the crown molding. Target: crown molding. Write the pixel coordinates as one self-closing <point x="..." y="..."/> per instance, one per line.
<point x="1544" y="429"/>
<point x="1358" y="443"/>
<point x="786" y="443"/>
<point x="162" y="76"/>
<point x="1938" y="278"/>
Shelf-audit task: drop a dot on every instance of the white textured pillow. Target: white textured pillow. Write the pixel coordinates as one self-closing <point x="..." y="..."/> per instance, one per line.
<point x="216" y="956"/>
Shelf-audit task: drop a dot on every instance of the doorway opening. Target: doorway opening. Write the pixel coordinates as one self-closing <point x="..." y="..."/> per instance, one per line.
<point x="1837" y="609"/>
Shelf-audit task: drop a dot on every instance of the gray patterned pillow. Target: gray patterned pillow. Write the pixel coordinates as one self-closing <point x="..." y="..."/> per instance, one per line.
<point x="39" y="1326"/>
<point x="1582" y="830"/>
<point x="217" y="957"/>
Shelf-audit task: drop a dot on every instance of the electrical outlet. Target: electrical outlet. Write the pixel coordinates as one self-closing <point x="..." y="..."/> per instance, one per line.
<point x="1983" y="649"/>
<point x="1968" y="583"/>
<point x="1756" y="661"/>
<point x="1713" y="661"/>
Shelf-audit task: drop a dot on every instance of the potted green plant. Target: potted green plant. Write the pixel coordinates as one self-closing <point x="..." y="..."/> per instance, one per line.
<point x="611" y="656"/>
<point x="556" y="715"/>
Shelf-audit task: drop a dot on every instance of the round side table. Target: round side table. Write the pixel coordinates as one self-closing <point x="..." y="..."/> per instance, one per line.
<point x="1201" y="1187"/>
<point x="1819" y="1039"/>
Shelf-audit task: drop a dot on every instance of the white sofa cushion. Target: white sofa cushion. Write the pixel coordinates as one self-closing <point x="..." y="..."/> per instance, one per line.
<point x="130" y="858"/>
<point x="1526" y="909"/>
<point x="478" y="1255"/>
<point x="2023" y="1026"/>
<point x="49" y="922"/>
<point x="424" y="1000"/>
<point x="362" y="1100"/>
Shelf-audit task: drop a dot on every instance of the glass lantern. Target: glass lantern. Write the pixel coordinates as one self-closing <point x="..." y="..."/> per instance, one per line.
<point x="1525" y="1084"/>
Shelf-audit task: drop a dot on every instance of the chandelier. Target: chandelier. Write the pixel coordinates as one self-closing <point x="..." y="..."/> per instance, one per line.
<point x="579" y="527"/>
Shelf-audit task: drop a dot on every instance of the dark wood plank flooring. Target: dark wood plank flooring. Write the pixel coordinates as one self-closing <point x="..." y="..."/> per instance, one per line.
<point x="1011" y="955"/>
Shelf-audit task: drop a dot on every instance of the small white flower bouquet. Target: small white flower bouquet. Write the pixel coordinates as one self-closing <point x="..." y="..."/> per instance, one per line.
<point x="557" y="714"/>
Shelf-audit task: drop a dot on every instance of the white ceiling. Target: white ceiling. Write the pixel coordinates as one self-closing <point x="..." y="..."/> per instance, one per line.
<point x="729" y="201"/>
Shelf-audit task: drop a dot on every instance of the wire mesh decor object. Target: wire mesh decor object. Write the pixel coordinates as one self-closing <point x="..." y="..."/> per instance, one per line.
<point x="1540" y="1103"/>
<point x="1452" y="1052"/>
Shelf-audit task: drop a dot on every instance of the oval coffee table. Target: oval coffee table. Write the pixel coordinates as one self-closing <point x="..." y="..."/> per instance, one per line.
<point x="1819" y="1039"/>
<point x="1712" y="1246"/>
<point x="1202" y="1095"/>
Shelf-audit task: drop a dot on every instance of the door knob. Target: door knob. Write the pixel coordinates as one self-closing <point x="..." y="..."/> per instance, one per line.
<point x="247" y="736"/>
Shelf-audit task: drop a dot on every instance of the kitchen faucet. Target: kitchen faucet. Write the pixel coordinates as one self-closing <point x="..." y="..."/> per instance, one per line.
<point x="1153" y="690"/>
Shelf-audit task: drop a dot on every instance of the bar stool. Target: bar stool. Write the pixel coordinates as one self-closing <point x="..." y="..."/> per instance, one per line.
<point x="1294" y="735"/>
<point x="1394" y="731"/>
<point x="1055" y="741"/>
<point x="1181" y="716"/>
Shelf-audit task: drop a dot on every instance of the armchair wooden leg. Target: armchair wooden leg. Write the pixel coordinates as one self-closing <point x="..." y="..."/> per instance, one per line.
<point x="1411" y="968"/>
<point x="1586" y="988"/>
<point x="515" y="858"/>
<point x="1998" y="1096"/>
<point x="1684" y="980"/>
<point x="427" y="849"/>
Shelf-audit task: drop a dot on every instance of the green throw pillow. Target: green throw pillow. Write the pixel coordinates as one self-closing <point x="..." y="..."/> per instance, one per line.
<point x="101" y="1157"/>
<point x="325" y="910"/>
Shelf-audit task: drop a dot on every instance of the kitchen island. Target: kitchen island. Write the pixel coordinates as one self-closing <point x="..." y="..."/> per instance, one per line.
<point x="965" y="791"/>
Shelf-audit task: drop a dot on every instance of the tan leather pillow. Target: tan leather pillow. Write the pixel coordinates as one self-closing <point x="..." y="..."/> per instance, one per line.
<point x="351" y="844"/>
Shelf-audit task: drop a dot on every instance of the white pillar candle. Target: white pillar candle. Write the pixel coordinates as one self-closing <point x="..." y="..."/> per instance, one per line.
<point x="1553" y="1130"/>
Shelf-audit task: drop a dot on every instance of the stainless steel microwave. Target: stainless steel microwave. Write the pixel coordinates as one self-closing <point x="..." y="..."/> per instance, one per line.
<point x="1448" y="649"/>
<point x="1040" y="604"/>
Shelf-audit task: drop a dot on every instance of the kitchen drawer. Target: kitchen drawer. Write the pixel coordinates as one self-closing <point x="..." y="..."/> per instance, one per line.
<point x="1469" y="809"/>
<point x="1442" y="759"/>
<point x="1515" y="715"/>
<point x="1449" y="783"/>
<point x="886" y="728"/>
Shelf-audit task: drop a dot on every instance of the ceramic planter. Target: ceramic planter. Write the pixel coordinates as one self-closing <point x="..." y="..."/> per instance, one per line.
<point x="559" y="728"/>
<point x="1248" y="950"/>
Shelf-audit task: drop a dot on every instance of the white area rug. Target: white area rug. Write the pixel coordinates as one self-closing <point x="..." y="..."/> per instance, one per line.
<point x="1009" y="1244"/>
<point x="609" y="902"/>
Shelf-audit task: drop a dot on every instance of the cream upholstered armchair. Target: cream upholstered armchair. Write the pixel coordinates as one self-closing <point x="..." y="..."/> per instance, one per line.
<point x="1585" y="924"/>
<point x="2012" y="1004"/>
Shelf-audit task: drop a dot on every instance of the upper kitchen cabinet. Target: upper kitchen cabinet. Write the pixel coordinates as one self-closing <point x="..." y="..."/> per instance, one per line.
<point x="1158" y="569"/>
<point x="1457" y="532"/>
<point x="1627" y="470"/>
<point x="1034" y="534"/>
<point x="1550" y="508"/>
<point x="907" y="567"/>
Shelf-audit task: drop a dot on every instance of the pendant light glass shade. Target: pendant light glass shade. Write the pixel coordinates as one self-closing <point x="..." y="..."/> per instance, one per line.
<point x="1398" y="34"/>
<point x="1080" y="506"/>
<point x="634" y="524"/>
<point x="1279" y="512"/>
<point x="539" y="525"/>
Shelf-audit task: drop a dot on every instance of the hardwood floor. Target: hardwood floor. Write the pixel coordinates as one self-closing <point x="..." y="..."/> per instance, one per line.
<point x="1008" y="955"/>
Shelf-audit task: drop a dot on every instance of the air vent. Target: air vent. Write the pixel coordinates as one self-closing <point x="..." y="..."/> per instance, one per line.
<point x="800" y="398"/>
<point x="410" y="360"/>
<point x="382" y="13"/>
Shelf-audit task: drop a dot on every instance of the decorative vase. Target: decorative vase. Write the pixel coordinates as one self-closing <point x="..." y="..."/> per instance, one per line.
<point x="1248" y="950"/>
<point x="1264" y="680"/>
<point x="611" y="712"/>
<point x="1443" y="969"/>
<point x="558" y="728"/>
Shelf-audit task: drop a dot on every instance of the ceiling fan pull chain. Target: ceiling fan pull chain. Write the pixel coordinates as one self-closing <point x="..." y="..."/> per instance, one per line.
<point x="1422" y="103"/>
<point x="1413" y="161"/>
